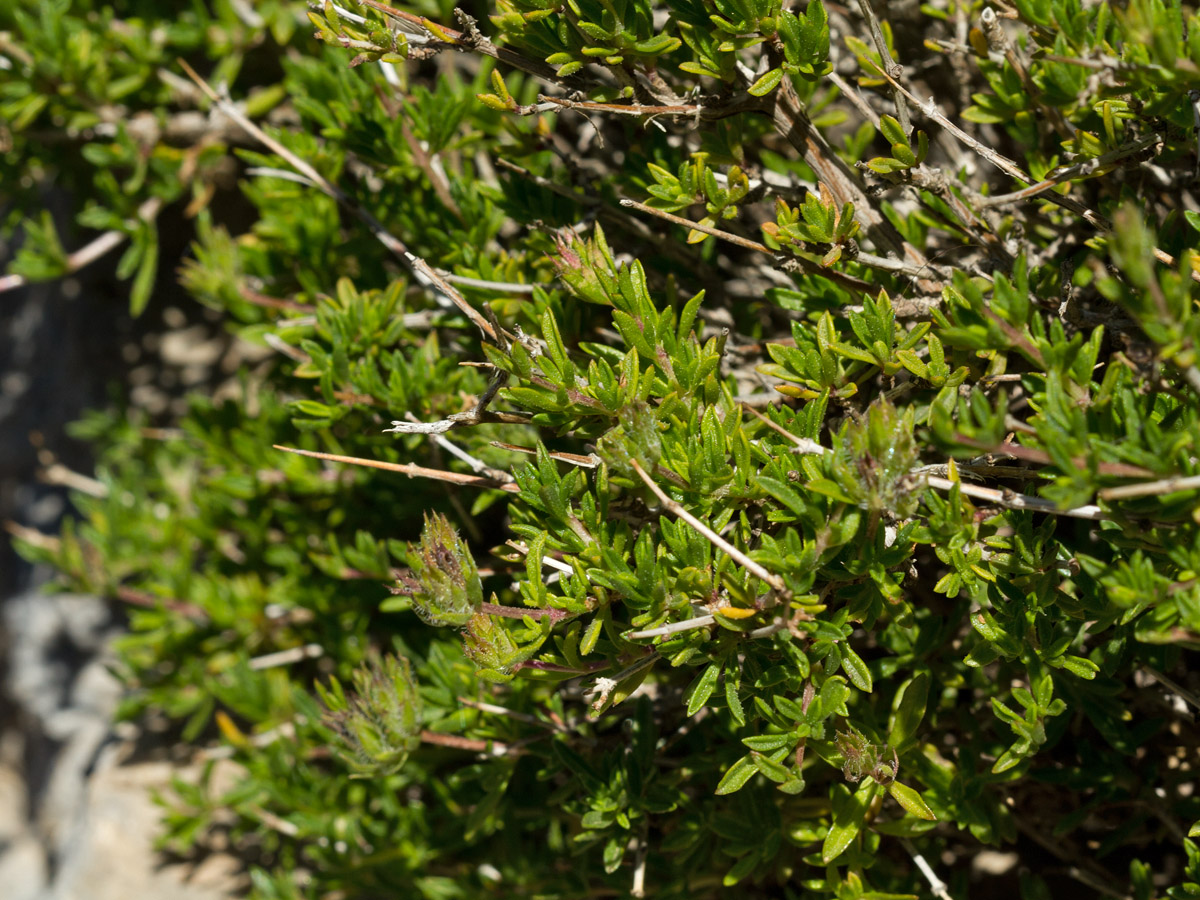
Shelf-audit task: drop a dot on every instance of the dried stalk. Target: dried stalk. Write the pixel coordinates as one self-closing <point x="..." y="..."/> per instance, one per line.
<point x="424" y="272"/>
<point x="91" y="251"/>
<point x="412" y="471"/>
<point x="775" y="582"/>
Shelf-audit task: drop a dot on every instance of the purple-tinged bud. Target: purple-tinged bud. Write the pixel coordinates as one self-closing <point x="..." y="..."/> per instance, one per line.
<point x="443" y="580"/>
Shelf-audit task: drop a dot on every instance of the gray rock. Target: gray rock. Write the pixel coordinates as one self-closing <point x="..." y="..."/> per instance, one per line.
<point x="77" y="824"/>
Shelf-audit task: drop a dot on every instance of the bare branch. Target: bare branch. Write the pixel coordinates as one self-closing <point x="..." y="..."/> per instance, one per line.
<point x="421" y="269"/>
<point x="673" y="628"/>
<point x="93" y="250"/>
<point x="286" y="657"/>
<point x="847" y="281"/>
<point x="1006" y="498"/>
<point x="1148" y="488"/>
<point x="412" y="471"/>
<point x="477" y="43"/>
<point x="775" y="582"/>
<point x="890" y="64"/>
<point x="1013" y="500"/>
<point x="935" y="884"/>
<point x="1068" y="173"/>
<point x="488" y="747"/>
<point x="1009" y="167"/>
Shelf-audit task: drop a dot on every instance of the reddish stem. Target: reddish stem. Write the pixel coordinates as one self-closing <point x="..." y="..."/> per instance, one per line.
<point x="555" y="667"/>
<point x="516" y="612"/>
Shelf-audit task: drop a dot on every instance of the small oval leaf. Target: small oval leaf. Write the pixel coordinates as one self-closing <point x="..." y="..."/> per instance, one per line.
<point x="856" y="670"/>
<point x="737" y="776"/>
<point x="767" y="83"/>
<point x="911" y="800"/>
<point x="705" y="686"/>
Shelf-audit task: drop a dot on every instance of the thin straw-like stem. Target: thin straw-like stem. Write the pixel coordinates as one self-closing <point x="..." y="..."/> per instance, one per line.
<point x="412" y="471"/>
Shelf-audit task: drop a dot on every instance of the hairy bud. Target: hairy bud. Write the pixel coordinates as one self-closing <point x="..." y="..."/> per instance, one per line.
<point x="443" y="580"/>
<point x="380" y="725"/>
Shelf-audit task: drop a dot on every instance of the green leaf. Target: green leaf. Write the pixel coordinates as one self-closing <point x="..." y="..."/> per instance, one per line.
<point x="1078" y="666"/>
<point x="658" y="45"/>
<point x="848" y="812"/>
<point x="904" y="154"/>
<point x="737" y="776"/>
<point x="766" y="83"/>
<point x="742" y="868"/>
<point x="768" y="743"/>
<point x="856" y="670"/>
<point x="910" y="709"/>
<point x="143" y="282"/>
<point x="703" y="688"/>
<point x="775" y="771"/>
<point x="911" y="800"/>
<point x="732" y="698"/>
<point x="892" y="132"/>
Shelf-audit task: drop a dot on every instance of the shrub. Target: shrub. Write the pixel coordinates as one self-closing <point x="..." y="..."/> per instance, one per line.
<point x="802" y="422"/>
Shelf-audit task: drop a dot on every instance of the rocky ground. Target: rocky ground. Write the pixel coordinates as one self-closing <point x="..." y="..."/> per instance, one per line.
<point x="76" y="817"/>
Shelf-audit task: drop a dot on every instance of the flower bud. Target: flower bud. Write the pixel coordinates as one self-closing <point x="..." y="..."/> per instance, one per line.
<point x="487" y="643"/>
<point x="875" y="457"/>
<point x="443" y="581"/>
<point x="378" y="727"/>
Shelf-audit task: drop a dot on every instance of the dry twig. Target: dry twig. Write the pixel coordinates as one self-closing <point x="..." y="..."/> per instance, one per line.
<point x="424" y="272"/>
<point x="91" y="251"/>
<point x="773" y="580"/>
<point x="412" y="471"/>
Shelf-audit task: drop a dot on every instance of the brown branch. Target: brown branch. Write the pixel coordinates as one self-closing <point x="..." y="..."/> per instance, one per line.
<point x="1041" y="457"/>
<point x="1009" y="167"/>
<point x="740" y="241"/>
<point x="812" y="268"/>
<point x="707" y="110"/>
<point x="151" y="601"/>
<point x="999" y="43"/>
<point x="793" y="123"/>
<point x="412" y="471"/>
<point x="518" y="612"/>
<point x="424" y="272"/>
<point x="1079" y="170"/>
<point x="268" y="302"/>
<point x="934" y="180"/>
<point x="453" y="741"/>
<point x="425" y="163"/>
<point x="890" y="64"/>
<point x="576" y="459"/>
<point x="462" y="40"/>
<point x="1015" y="336"/>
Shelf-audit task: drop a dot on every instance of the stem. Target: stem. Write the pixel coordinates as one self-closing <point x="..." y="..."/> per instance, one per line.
<point x="516" y="612"/>
<point x="1009" y="167"/>
<point x="890" y="64"/>
<point x="673" y="628"/>
<point x="424" y="272"/>
<point x="91" y="251"/>
<point x="841" y="278"/>
<point x="713" y="538"/>
<point x="492" y="748"/>
<point x="542" y="666"/>
<point x="412" y="471"/>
